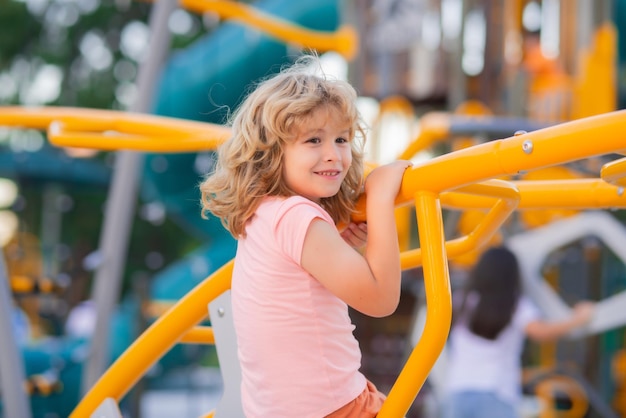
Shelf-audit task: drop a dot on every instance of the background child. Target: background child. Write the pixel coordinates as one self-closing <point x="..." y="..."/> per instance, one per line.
<point x="486" y="341"/>
<point x="289" y="174"/>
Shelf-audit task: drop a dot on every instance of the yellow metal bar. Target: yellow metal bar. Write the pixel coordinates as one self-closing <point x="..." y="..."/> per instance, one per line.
<point x="344" y="40"/>
<point x="615" y="172"/>
<point x="438" y="305"/>
<point x="113" y="130"/>
<point x="503" y="207"/>
<point x="155" y="342"/>
<point x="576" y="194"/>
<point x="112" y="142"/>
<point x="542" y="194"/>
<point x="559" y="144"/>
<point x="198" y="335"/>
<point x="42" y="117"/>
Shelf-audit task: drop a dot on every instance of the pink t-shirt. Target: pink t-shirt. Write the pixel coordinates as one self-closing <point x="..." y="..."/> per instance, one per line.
<point x="298" y="355"/>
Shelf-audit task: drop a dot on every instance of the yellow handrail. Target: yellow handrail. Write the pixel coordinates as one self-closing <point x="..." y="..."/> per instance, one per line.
<point x="162" y="335"/>
<point x="344" y="40"/>
<point x="438" y="309"/>
<point x="559" y="144"/>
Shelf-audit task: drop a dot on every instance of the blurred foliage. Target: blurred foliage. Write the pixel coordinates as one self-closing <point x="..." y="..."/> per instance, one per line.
<point x="40" y="32"/>
<point x="31" y="37"/>
<point x="18" y="31"/>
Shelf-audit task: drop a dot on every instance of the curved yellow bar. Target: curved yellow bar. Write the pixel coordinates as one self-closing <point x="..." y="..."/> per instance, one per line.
<point x="438" y="309"/>
<point x="507" y="199"/>
<point x="344" y="41"/>
<point x="578" y="194"/>
<point x="615" y="172"/>
<point x="114" y="130"/>
<point x="155" y="342"/>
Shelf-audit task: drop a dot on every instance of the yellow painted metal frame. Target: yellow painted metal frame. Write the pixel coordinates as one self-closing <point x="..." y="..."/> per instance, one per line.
<point x="110" y="130"/>
<point x="578" y="194"/>
<point x="344" y="40"/>
<point x="506" y="197"/>
<point x="464" y="178"/>
<point x="171" y="328"/>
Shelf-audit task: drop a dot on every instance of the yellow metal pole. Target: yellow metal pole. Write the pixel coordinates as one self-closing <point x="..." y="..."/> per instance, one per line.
<point x="559" y="144"/>
<point x="438" y="305"/>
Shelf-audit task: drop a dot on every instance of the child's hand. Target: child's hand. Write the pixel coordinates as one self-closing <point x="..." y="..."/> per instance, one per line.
<point x="384" y="181"/>
<point x="355" y="235"/>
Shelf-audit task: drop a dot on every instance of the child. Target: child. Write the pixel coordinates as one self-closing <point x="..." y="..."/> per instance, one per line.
<point x="486" y="341"/>
<point x="289" y="174"/>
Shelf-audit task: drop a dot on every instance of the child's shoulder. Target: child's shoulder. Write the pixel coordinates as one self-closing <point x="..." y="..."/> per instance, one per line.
<point x="297" y="205"/>
<point x="280" y="202"/>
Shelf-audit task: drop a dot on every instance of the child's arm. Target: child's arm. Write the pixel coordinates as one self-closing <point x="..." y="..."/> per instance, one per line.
<point x="369" y="283"/>
<point x="541" y="330"/>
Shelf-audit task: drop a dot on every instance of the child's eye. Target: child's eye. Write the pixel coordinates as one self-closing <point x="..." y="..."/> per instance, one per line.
<point x="313" y="140"/>
<point x="341" y="140"/>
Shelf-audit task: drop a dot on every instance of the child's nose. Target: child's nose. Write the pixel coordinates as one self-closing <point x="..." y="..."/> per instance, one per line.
<point x="331" y="152"/>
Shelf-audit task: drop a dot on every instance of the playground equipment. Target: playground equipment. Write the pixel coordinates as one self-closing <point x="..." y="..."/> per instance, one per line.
<point x="428" y="186"/>
<point x="476" y="191"/>
<point x="535" y="234"/>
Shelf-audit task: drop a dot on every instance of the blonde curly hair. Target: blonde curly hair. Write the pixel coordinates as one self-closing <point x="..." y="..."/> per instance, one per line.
<point x="249" y="163"/>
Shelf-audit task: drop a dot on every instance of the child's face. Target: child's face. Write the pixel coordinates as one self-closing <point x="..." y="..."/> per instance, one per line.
<point x="317" y="161"/>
